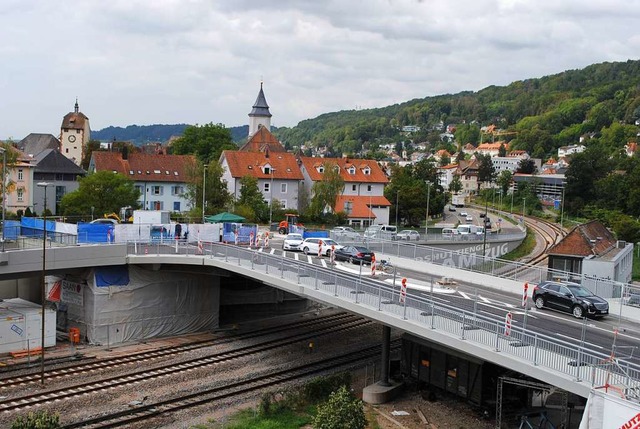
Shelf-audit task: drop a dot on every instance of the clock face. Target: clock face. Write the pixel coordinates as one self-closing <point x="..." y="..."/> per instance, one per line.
<point x="72" y="138"/>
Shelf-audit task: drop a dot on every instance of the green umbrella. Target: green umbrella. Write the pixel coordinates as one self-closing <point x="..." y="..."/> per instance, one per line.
<point x="224" y="217"/>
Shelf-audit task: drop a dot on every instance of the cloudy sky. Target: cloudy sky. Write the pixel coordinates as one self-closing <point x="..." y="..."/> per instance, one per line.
<point x="199" y="61"/>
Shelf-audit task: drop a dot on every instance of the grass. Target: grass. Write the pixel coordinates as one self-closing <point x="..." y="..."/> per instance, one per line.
<point x="524" y="249"/>
<point x="286" y="419"/>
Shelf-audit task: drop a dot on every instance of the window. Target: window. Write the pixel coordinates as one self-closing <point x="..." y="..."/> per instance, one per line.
<point x="352" y="170"/>
<point x="369" y="188"/>
<point x="267" y="170"/>
<point x="354" y="187"/>
<point x="177" y="190"/>
<point x="283" y="188"/>
<point x="138" y="188"/>
<point x="156" y="190"/>
<point x="176" y="206"/>
<point x="367" y="171"/>
<point x="267" y="186"/>
<point x="20" y="194"/>
<point x="157" y="205"/>
<point x="20" y="174"/>
<point x="320" y="169"/>
<point x="66" y="150"/>
<point x="59" y="176"/>
<point x="283" y="204"/>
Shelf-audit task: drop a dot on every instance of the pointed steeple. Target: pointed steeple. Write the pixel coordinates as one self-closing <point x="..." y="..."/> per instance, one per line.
<point x="260" y="115"/>
<point x="76" y="108"/>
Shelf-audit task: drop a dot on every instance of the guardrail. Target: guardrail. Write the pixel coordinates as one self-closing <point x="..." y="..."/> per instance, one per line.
<point x="577" y="359"/>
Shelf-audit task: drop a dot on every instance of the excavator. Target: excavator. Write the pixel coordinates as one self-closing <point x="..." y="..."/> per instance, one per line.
<point x="126" y="215"/>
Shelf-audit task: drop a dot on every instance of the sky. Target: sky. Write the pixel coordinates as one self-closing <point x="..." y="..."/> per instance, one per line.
<point x="190" y="61"/>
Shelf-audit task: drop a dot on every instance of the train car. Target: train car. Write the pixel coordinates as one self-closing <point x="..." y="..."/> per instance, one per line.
<point x="433" y="365"/>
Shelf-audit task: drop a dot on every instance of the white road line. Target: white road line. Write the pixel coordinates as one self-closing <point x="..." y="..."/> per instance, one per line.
<point x="309" y="259"/>
<point x="464" y="295"/>
<point x="260" y="249"/>
<point x="324" y="263"/>
<point x="482" y="298"/>
<point x="296" y="256"/>
<point x="509" y="305"/>
<point x="272" y="251"/>
<point x="574" y="339"/>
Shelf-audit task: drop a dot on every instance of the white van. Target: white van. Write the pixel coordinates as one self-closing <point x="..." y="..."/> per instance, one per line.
<point x="470" y="229"/>
<point x="387" y="232"/>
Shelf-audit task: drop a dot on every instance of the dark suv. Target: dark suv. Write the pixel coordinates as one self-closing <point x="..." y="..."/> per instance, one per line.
<point x="571" y="297"/>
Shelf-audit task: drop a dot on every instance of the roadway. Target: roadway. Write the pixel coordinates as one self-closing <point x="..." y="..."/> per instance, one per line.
<point x="597" y="334"/>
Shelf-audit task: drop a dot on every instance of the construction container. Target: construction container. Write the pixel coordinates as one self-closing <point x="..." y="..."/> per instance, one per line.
<point x="21" y="326"/>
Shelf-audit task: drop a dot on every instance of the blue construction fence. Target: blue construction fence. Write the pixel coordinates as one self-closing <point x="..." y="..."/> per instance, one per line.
<point x="244" y="233"/>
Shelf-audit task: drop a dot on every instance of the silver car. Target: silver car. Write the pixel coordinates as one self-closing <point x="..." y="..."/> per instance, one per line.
<point x="408" y="234"/>
<point x="292" y="241"/>
<point x="344" y="232"/>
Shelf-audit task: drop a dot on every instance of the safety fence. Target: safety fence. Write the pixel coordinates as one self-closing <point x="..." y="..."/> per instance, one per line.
<point x="577" y="359"/>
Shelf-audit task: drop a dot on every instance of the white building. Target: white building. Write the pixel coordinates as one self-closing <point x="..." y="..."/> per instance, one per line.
<point x="570" y="150"/>
<point x="75" y="133"/>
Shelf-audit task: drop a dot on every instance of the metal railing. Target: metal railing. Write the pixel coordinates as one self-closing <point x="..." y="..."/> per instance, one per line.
<point x="577" y="359"/>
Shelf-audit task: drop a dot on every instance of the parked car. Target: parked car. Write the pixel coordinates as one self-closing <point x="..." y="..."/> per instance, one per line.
<point x="408" y="234"/>
<point x="469" y="218"/>
<point x="292" y="241"/>
<point x="386" y="232"/>
<point x="570" y="297"/>
<point x="344" y="232"/>
<point x="354" y="254"/>
<point x="310" y="246"/>
<point x="452" y="209"/>
<point x="464" y="214"/>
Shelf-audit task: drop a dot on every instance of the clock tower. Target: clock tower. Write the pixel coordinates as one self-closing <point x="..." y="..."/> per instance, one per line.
<point x="74" y="135"/>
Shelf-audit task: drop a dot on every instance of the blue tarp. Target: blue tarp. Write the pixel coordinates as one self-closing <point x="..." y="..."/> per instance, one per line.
<point x="95" y="233"/>
<point x="11" y="229"/>
<point x="33" y="227"/>
<point x="116" y="275"/>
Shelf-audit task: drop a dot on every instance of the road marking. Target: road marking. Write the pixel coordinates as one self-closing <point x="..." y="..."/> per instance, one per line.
<point x="272" y="251"/>
<point x="574" y="339"/>
<point x="509" y="305"/>
<point x="309" y="259"/>
<point x="464" y="295"/>
<point x="484" y="299"/>
<point x="296" y="256"/>
<point x="324" y="263"/>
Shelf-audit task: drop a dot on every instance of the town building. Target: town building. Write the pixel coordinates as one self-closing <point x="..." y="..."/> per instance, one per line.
<point x="161" y="179"/>
<point x="19" y="181"/>
<point x="570" y="150"/>
<point x="260" y="116"/>
<point x="446" y="175"/>
<point x="75" y="134"/>
<point x="61" y="176"/>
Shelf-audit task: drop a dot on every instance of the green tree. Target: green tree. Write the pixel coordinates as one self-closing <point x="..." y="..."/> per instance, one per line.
<point x="251" y="203"/>
<point x="326" y="191"/>
<point x="341" y="411"/>
<point x="585" y="170"/>
<point x="486" y="170"/>
<point x="504" y="181"/>
<point x="456" y="184"/>
<point x="206" y="142"/>
<point x="106" y="191"/>
<point x="526" y="166"/>
<point x="218" y="198"/>
<point x="502" y="151"/>
<point x="37" y="420"/>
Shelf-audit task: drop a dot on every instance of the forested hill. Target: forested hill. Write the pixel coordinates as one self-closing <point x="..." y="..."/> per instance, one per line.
<point x="140" y="134"/>
<point x="542" y="114"/>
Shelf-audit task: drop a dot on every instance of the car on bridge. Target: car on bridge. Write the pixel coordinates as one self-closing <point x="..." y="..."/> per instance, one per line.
<point x="292" y="241"/>
<point x="354" y="254"/>
<point x="345" y="232"/>
<point x="571" y="297"/>
<point x="408" y="234"/>
<point x="311" y="246"/>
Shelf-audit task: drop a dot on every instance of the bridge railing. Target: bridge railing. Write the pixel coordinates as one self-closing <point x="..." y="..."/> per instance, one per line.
<point x="578" y="359"/>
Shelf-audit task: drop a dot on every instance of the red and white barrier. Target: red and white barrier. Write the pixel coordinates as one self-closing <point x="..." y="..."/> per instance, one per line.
<point x="508" y="319"/>
<point x="403" y="290"/>
<point x="266" y="239"/>
<point x="320" y="249"/>
<point x="373" y="265"/>
<point x="251" y="239"/>
<point x="524" y="295"/>
<point x="332" y="256"/>
<point x="235" y="237"/>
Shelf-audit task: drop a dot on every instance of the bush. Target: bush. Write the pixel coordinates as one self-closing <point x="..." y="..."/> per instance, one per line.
<point x="341" y="411"/>
<point x="320" y="388"/>
<point x="37" y="420"/>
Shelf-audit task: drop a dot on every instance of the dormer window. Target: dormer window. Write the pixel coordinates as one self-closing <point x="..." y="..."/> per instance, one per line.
<point x="321" y="169"/>
<point x="266" y="169"/>
<point x="352" y="170"/>
<point x="367" y="171"/>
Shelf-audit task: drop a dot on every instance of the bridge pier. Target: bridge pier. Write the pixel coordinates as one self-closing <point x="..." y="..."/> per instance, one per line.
<point x="385" y="389"/>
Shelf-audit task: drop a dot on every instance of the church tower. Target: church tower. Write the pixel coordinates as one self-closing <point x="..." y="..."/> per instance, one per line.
<point x="74" y="134"/>
<point x="260" y="115"/>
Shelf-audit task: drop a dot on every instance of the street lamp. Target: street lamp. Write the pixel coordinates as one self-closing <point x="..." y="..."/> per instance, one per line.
<point x="204" y="189"/>
<point x="4" y="191"/>
<point x="397" y="194"/>
<point x="512" y="192"/>
<point x="271" y="196"/>
<point x="44" y="268"/>
<point x="484" y="228"/>
<point x="426" y="225"/>
<point x="524" y="207"/>
<point x="562" y="209"/>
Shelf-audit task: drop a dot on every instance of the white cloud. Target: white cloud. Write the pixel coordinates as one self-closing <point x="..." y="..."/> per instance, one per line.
<point x="170" y="61"/>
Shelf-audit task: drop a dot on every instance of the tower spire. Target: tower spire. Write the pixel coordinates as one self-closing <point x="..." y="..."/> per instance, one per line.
<point x="76" y="108"/>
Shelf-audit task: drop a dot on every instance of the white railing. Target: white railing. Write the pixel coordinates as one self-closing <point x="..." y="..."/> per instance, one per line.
<point x="577" y="359"/>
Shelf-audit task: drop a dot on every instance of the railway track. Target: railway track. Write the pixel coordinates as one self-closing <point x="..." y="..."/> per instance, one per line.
<point x="216" y="394"/>
<point x="95" y="365"/>
<point x="550" y="233"/>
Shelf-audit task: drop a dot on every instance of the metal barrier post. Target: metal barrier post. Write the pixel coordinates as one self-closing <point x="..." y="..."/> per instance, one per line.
<point x="282" y="267"/>
<point x="380" y="298"/>
<point x="237" y="250"/>
<point x="316" y="287"/>
<point x="464" y="322"/>
<point x="335" y="291"/>
<point x="535" y="350"/>
<point x="433" y="307"/>
<point x="358" y="284"/>
<point x="298" y="276"/>
<point x="226" y="253"/>
<point x="266" y="265"/>
<point x="497" y="336"/>
<point x="404" y="313"/>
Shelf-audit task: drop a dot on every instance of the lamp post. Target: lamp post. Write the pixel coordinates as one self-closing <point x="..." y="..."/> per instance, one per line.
<point x="512" y="192"/>
<point x="524" y="208"/>
<point x="271" y="197"/>
<point x="204" y="190"/>
<point x="44" y="268"/>
<point x="484" y="227"/>
<point x="397" y="194"/>
<point x="4" y="191"/>
<point x="92" y="209"/>
<point x="426" y="225"/>
<point x="561" y="210"/>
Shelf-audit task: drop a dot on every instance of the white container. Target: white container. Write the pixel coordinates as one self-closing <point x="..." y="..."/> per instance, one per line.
<point x="151" y="217"/>
<point x="21" y="326"/>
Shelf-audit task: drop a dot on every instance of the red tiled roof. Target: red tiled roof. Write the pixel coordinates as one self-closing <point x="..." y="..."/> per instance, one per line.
<point x="74" y="121"/>
<point x="443" y="152"/>
<point x="144" y="167"/>
<point x="588" y="239"/>
<point x="251" y="164"/>
<point x="261" y="141"/>
<point x="493" y="146"/>
<point x="376" y="174"/>
<point x="360" y="205"/>
<point x="448" y="167"/>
